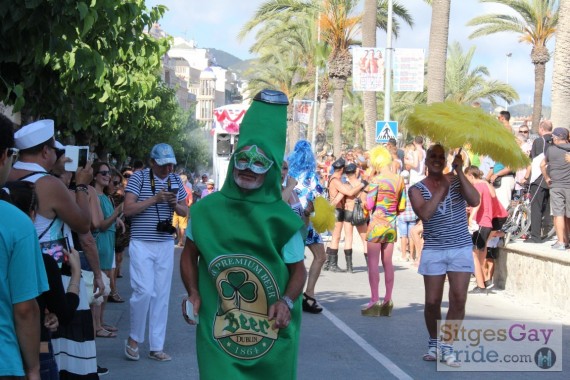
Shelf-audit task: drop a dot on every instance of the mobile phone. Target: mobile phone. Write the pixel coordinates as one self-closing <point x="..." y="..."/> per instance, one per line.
<point x="174" y="190"/>
<point x="79" y="156"/>
<point x="190" y="312"/>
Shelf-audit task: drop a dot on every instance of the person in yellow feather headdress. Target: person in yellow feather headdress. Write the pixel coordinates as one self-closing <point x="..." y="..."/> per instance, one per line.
<point x="384" y="201"/>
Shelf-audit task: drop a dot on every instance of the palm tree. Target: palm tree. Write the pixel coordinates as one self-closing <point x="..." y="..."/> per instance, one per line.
<point x="369" y="103"/>
<point x="560" y="77"/>
<point x="535" y="23"/>
<point x="339" y="24"/>
<point x="438" y="37"/>
<point x="463" y="84"/>
<point x="466" y="85"/>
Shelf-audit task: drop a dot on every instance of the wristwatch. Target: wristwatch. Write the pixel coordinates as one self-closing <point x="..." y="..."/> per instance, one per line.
<point x="288" y="301"/>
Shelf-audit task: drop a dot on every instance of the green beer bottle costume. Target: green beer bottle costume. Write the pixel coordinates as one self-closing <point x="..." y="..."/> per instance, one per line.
<point x="241" y="273"/>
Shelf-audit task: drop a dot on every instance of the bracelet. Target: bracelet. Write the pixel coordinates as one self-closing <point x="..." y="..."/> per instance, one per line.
<point x="81" y="188"/>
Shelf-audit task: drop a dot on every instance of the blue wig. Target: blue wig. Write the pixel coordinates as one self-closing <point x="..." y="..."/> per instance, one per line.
<point x="302" y="160"/>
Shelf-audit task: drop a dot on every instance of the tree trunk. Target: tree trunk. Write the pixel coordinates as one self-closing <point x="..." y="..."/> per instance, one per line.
<point x="539" y="56"/>
<point x="338" y="99"/>
<point x="322" y="123"/>
<point x="539" y="73"/>
<point x="369" y="97"/>
<point x="437" y="57"/>
<point x="560" y="77"/>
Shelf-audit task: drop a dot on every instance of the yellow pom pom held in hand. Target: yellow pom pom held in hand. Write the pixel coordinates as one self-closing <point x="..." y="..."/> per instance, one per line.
<point x="323" y="219"/>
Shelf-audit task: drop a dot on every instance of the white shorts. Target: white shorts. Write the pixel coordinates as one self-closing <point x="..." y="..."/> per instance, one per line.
<point x="436" y="262"/>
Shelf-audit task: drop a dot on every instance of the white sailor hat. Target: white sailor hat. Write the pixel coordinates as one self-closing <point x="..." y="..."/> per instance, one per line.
<point x="34" y="134"/>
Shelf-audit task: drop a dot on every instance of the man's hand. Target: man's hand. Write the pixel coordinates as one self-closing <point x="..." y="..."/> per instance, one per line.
<point x="196" y="302"/>
<point x="51" y="322"/>
<point x="98" y="286"/>
<point x="84" y="176"/>
<point x="280" y="313"/>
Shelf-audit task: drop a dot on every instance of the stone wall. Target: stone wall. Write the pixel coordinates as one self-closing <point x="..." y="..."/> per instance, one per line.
<point x="539" y="277"/>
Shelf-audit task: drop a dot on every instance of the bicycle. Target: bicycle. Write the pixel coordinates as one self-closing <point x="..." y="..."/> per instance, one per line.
<point x="518" y="218"/>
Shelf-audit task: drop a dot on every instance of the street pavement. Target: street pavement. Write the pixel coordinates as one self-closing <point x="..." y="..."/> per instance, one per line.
<point x="339" y="343"/>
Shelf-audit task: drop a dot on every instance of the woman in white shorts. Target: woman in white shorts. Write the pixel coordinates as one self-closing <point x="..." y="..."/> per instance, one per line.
<point x="440" y="201"/>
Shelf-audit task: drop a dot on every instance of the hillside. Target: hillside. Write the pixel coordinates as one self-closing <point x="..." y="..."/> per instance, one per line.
<point x="223" y="59"/>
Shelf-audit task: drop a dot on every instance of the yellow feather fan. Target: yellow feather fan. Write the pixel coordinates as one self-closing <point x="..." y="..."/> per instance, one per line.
<point x="454" y="125"/>
<point x="323" y="219"/>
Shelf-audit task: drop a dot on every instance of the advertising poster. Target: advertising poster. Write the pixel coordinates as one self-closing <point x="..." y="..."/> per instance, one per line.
<point x="367" y="69"/>
<point x="408" y="70"/>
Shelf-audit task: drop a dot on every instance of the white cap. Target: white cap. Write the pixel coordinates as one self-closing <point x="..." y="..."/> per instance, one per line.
<point x="34" y="134"/>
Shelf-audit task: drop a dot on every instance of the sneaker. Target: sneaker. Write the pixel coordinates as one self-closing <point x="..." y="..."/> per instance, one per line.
<point x="559" y="246"/>
<point x="489" y="284"/>
<point x="477" y="290"/>
<point x="102" y="371"/>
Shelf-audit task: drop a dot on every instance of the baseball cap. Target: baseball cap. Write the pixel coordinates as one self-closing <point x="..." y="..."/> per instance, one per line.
<point x="34" y="134"/>
<point x="561" y="133"/>
<point x="338" y="163"/>
<point x="350" y="168"/>
<point x="163" y="154"/>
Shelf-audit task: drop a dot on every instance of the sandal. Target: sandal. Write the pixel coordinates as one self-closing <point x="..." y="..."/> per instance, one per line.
<point x="103" y="333"/>
<point x="160" y="356"/>
<point x="132" y="353"/>
<point x="310" y="304"/>
<point x="109" y="328"/>
<point x="448" y="357"/>
<point x="432" y="354"/>
<point x="115" y="297"/>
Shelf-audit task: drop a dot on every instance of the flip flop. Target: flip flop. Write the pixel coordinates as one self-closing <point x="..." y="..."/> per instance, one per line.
<point x="132" y="353"/>
<point x="160" y="356"/>
<point x="103" y="333"/>
<point x="110" y="328"/>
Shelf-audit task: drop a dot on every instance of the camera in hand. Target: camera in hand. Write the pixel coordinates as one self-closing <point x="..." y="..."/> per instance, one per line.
<point x="165" y="226"/>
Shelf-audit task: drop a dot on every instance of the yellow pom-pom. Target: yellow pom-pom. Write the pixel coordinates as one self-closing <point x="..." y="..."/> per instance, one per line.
<point x="324" y="218"/>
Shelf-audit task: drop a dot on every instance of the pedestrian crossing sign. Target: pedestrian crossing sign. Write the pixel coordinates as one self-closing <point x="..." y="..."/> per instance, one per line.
<point x="386" y="130"/>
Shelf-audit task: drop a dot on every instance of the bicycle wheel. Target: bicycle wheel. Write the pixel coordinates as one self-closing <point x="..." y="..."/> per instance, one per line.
<point x="522" y="219"/>
<point x="510" y="225"/>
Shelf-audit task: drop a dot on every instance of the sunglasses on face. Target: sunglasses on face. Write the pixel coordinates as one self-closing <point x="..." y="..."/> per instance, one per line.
<point x="116" y="183"/>
<point x="13" y="152"/>
<point x="104" y="172"/>
<point x="523" y="131"/>
<point x="127" y="175"/>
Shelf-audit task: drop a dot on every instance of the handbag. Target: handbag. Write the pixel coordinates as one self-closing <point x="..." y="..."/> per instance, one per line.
<point x="497" y="182"/>
<point x="358" y="217"/>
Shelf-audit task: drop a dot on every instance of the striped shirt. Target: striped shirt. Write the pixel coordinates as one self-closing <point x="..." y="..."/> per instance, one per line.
<point x="143" y="226"/>
<point x="447" y="228"/>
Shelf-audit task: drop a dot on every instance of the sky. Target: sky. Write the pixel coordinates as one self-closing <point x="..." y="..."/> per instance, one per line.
<point x="216" y="23"/>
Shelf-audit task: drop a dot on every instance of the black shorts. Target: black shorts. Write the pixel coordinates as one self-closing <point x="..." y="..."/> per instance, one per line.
<point x="348" y="216"/>
<point x="339" y="214"/>
<point x="481" y="236"/>
<point x="492" y="253"/>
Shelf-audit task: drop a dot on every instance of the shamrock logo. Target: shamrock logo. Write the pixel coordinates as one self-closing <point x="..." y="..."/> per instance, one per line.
<point x="236" y="286"/>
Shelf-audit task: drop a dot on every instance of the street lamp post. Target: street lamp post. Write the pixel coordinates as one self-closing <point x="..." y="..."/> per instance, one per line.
<point x="509" y="55"/>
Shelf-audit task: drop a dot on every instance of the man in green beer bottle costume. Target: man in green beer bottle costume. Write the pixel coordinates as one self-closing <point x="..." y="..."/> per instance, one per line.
<point x="242" y="262"/>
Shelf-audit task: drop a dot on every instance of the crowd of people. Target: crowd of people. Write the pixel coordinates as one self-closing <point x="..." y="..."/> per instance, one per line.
<point x="445" y="208"/>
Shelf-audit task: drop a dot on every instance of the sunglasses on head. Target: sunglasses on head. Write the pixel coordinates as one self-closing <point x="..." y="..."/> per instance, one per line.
<point x="104" y="172"/>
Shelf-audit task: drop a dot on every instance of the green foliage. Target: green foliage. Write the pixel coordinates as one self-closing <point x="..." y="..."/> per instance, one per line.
<point x="90" y="66"/>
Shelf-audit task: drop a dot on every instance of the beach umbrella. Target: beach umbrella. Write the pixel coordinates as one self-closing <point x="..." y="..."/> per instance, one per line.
<point x="455" y="125"/>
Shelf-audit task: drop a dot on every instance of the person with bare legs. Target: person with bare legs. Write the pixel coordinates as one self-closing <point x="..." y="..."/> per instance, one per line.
<point x="337" y="191"/>
<point x="384" y="200"/>
<point x="348" y="224"/>
<point x="440" y="201"/>
<point x="302" y="166"/>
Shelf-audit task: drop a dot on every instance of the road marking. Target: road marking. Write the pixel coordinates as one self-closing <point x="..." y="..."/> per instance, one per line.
<point x="383" y="360"/>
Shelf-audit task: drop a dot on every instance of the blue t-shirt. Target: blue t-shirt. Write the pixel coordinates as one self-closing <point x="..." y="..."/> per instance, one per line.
<point x="23" y="277"/>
